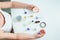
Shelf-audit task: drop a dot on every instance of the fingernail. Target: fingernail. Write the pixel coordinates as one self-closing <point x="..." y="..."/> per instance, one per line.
<point x="42" y="31"/>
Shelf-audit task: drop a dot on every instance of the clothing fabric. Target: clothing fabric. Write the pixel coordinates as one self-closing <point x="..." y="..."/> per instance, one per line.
<point x="7" y="9"/>
<point x="8" y="22"/>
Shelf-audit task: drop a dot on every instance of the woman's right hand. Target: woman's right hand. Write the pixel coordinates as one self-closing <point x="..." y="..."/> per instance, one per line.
<point x="20" y="36"/>
<point x="38" y="35"/>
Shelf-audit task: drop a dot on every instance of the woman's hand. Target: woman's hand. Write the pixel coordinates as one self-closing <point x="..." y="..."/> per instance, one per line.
<point x="20" y="36"/>
<point x="33" y="8"/>
<point x="39" y="35"/>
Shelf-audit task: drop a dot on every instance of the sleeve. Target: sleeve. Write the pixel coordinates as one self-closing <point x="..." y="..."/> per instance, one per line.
<point x="8" y="22"/>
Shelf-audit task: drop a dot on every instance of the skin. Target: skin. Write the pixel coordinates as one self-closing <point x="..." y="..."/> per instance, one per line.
<point x="17" y="36"/>
<point x="17" y="5"/>
<point x="1" y="19"/>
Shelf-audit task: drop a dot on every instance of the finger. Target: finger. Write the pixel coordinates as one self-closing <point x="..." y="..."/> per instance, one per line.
<point x="24" y="36"/>
<point x="30" y="7"/>
<point x="40" y="34"/>
<point x="42" y="31"/>
<point x="16" y="36"/>
<point x="35" y="9"/>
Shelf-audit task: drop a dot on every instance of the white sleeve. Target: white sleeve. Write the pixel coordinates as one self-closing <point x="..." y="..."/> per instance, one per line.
<point x="8" y="22"/>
